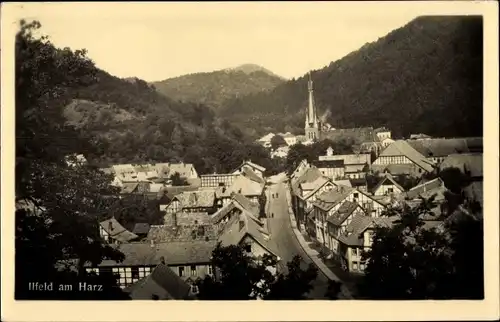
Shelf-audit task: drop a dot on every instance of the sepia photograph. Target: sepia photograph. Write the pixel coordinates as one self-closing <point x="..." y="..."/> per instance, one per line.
<point x="207" y="152"/>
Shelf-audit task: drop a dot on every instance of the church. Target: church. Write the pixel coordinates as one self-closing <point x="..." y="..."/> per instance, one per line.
<point x="316" y="130"/>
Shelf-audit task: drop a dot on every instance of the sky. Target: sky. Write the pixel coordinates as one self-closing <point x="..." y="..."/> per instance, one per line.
<point x="156" y="41"/>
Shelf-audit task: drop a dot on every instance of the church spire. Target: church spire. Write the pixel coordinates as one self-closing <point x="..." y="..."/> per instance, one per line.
<point x="312" y="126"/>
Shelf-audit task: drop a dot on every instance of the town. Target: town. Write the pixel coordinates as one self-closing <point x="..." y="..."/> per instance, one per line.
<point x="238" y="184"/>
<point x="325" y="211"/>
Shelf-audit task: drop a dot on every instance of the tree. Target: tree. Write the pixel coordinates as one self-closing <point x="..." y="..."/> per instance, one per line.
<point x="58" y="206"/>
<point x="409" y="261"/>
<point x="277" y="141"/>
<point x="239" y="276"/>
<point x="177" y="180"/>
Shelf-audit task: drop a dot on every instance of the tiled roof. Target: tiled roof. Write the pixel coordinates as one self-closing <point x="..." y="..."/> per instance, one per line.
<point x="471" y="162"/>
<point x="174" y="253"/>
<point x="394" y="169"/>
<point x="346" y="209"/>
<point x="248" y="205"/>
<point x="359" y="224"/>
<point x="250" y="174"/>
<point x="328" y="199"/>
<point x="247" y="187"/>
<point x="309" y="175"/>
<point x="441" y="147"/>
<point x="117" y="231"/>
<point x="197" y="199"/>
<point x="429" y="187"/>
<point x="311" y="186"/>
<point x="129" y="187"/>
<point x="141" y="228"/>
<point x="401" y="147"/>
<point x="252" y="165"/>
<point x="328" y="163"/>
<point x="163" y="283"/>
<point x="171" y="192"/>
<point x="241" y="226"/>
<point x="181" y="233"/>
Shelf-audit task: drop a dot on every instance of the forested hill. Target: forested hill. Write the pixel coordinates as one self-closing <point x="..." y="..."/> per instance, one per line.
<point x="425" y="77"/>
<point x="137" y="124"/>
<point x="212" y="89"/>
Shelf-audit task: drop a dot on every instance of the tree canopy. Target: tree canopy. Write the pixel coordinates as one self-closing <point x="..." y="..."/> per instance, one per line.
<point x="240" y="276"/>
<point x="58" y="206"/>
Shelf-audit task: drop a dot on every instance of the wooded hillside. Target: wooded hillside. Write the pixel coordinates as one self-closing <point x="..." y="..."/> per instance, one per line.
<point x="425" y="77"/>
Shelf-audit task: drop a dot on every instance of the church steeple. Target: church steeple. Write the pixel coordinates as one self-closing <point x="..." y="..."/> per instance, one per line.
<point x="312" y="125"/>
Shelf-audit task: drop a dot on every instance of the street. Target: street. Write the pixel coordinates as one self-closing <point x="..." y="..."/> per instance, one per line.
<point x="285" y="240"/>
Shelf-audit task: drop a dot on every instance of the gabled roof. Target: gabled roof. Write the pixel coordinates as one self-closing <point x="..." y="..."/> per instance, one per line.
<point x="246" y="186"/>
<point x="313" y="185"/>
<point x="250" y="174"/>
<point x="309" y="175"/>
<point x="359" y="224"/>
<point x="171" y="192"/>
<point x="358" y="182"/>
<point x="240" y="227"/>
<point x="222" y="213"/>
<point x="117" y="231"/>
<point x="252" y="165"/>
<point x="426" y="189"/>
<point x="394" y="169"/>
<point x="387" y="178"/>
<point x="356" y="168"/>
<point x="163" y="283"/>
<point x="244" y="202"/>
<point x="344" y="182"/>
<point x="329" y="199"/>
<point x="345" y="210"/>
<point x="401" y="147"/>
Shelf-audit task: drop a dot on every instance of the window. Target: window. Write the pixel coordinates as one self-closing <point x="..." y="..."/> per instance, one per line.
<point x="361" y="266"/>
<point x="181" y="271"/>
<point x="354" y="251"/>
<point x="390" y="190"/>
<point x="135" y="272"/>
<point x="248" y="248"/>
<point x="210" y="270"/>
<point x="355" y="195"/>
<point x="354" y="266"/>
<point x="193" y="270"/>
<point x="194" y="289"/>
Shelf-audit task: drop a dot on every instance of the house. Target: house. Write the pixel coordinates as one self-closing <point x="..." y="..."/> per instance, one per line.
<point x="249" y="185"/>
<point x="111" y="231"/>
<point x="358" y="237"/>
<point x="188" y="259"/>
<point x="430" y="188"/>
<point x="387" y="186"/>
<point x="186" y="218"/>
<point x="300" y="169"/>
<point x="217" y="180"/>
<point x="244" y="231"/>
<point x="248" y="165"/>
<point x="369" y="148"/>
<point x="309" y="174"/>
<point x="337" y="223"/>
<point x="135" y="187"/>
<point x="141" y="230"/>
<point x="192" y="201"/>
<point x="400" y="158"/>
<point x="161" y="284"/>
<point x="437" y="149"/>
<point x="333" y="169"/>
<point x="266" y="140"/>
<point x="355" y="165"/>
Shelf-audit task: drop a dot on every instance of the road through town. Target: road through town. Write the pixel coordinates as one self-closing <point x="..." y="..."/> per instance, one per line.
<point x="287" y="244"/>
